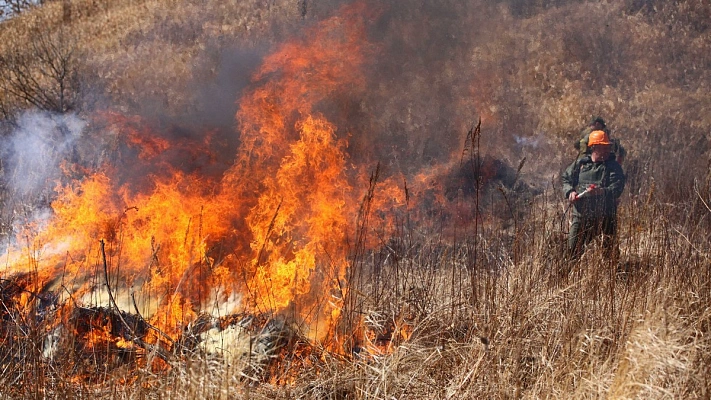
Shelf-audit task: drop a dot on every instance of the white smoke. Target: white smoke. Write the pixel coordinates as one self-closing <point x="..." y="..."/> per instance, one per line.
<point x="32" y="156"/>
<point x="528" y="141"/>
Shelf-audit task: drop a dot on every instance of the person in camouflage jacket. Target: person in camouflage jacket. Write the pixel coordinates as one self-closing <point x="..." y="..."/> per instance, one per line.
<point x="593" y="183"/>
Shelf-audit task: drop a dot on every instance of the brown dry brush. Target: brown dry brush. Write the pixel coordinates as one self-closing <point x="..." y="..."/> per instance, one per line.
<point x="482" y="311"/>
<point x="529" y="325"/>
<point x="628" y="329"/>
<point x="443" y="314"/>
<point x="522" y="329"/>
<point x="525" y="325"/>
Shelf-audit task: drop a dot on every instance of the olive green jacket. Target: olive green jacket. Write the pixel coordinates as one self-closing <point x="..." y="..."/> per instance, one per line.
<point x="607" y="175"/>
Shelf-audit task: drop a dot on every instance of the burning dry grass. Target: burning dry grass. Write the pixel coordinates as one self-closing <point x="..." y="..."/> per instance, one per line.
<point x="448" y="290"/>
<point x="434" y="322"/>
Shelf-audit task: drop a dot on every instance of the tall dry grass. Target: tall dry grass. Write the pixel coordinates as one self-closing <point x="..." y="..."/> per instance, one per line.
<point x="629" y="329"/>
<point x="444" y="319"/>
<point x="457" y="312"/>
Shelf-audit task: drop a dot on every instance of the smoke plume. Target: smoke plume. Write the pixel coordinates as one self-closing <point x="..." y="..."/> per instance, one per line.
<point x="35" y="153"/>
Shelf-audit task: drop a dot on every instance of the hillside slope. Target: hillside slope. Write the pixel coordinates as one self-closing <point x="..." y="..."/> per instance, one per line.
<point x="317" y="167"/>
<point x="533" y="73"/>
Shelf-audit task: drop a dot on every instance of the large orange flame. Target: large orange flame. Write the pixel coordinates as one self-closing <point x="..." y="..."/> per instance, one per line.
<point x="275" y="228"/>
<point x="289" y="154"/>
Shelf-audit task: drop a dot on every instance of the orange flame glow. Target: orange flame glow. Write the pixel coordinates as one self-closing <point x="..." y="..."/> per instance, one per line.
<point x="274" y="228"/>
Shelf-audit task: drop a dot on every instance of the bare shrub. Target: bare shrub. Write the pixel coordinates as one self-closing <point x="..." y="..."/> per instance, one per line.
<point x="9" y="8"/>
<point x="40" y="73"/>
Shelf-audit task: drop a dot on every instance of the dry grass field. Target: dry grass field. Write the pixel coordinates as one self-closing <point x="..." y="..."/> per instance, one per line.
<point x="350" y="200"/>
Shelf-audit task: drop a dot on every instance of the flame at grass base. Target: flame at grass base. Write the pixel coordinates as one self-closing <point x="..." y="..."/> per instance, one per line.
<point x="274" y="227"/>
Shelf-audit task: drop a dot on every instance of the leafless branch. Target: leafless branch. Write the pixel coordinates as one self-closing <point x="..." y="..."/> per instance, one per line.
<point x="40" y="73"/>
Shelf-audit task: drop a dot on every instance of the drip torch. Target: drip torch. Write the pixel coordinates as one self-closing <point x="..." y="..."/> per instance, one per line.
<point x="587" y="190"/>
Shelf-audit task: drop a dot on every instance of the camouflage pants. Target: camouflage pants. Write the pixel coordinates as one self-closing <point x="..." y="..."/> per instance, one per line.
<point x="585" y="230"/>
